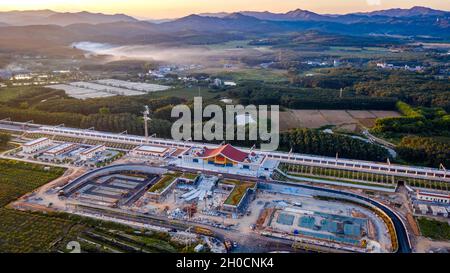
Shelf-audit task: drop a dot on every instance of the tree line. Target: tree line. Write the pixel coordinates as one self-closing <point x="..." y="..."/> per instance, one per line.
<point x="315" y="142"/>
<point x="307" y="98"/>
<point x="425" y="150"/>
<point x="419" y="120"/>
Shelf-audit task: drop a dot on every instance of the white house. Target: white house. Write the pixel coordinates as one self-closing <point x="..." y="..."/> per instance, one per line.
<point x="36" y="145"/>
<point x="152" y="151"/>
<point x="60" y="149"/>
<point x="433" y="197"/>
<point x="91" y="152"/>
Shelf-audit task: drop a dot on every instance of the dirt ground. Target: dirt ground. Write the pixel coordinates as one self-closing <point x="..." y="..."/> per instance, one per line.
<point x="425" y="245"/>
<point x="348" y="120"/>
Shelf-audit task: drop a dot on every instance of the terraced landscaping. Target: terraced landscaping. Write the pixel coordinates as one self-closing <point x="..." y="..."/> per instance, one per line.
<point x="238" y="192"/>
<point x="357" y="177"/>
<point x="162" y="184"/>
<point x="191" y="176"/>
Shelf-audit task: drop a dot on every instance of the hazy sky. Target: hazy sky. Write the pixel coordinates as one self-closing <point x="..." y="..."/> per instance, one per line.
<point x="178" y="8"/>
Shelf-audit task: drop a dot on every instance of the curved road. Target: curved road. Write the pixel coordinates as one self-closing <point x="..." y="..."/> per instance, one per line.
<point x="404" y="245"/>
<point x="402" y="235"/>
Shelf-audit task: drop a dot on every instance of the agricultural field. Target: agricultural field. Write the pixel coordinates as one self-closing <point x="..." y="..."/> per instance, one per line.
<point x="348" y="120"/>
<point x="28" y="232"/>
<point x="22" y="231"/>
<point x="18" y="178"/>
<point x="360" y="52"/>
<point x="187" y="93"/>
<point x="25" y="232"/>
<point x="250" y="74"/>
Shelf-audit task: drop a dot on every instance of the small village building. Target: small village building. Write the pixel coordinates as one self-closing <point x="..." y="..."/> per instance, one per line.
<point x="443" y="198"/>
<point x="91" y="152"/>
<point x="152" y="151"/>
<point x="60" y="149"/>
<point x="422" y="208"/>
<point x="36" y="145"/>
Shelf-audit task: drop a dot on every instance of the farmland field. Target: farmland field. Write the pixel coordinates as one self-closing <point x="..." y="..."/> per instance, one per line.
<point x="186" y="93"/>
<point x="348" y="119"/>
<point x="18" y="178"/>
<point x="252" y="74"/>
<point x="27" y="232"/>
<point x="22" y="231"/>
<point x="34" y="232"/>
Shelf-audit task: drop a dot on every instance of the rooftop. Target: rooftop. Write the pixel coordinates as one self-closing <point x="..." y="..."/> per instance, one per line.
<point x="152" y="149"/>
<point x="60" y="148"/>
<point x="92" y="149"/>
<point x="35" y="141"/>
<point x="227" y="151"/>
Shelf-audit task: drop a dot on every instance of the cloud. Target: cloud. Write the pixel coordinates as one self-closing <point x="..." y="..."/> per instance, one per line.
<point x="177" y="55"/>
<point x="373" y="2"/>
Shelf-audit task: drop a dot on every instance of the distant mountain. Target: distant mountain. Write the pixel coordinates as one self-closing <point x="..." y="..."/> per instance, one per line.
<point x="295" y="15"/>
<point x="375" y="16"/>
<point x="230" y="22"/>
<point x="49" y="17"/>
<point x="414" y="11"/>
<point x="158" y="21"/>
<point x="212" y="14"/>
<point x="68" y="28"/>
<point x="305" y="15"/>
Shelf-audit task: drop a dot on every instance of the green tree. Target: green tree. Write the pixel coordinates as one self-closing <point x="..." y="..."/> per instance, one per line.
<point x="4" y="139"/>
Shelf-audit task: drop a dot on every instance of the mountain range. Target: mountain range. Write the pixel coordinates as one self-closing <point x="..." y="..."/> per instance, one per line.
<point x="305" y="15"/>
<point x="45" y="29"/>
<point x="49" y="17"/>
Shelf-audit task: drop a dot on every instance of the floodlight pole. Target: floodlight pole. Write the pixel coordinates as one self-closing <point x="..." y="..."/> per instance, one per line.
<point x="146" y="119"/>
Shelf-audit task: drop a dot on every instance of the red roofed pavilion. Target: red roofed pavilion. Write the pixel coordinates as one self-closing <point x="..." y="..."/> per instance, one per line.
<point x="224" y="155"/>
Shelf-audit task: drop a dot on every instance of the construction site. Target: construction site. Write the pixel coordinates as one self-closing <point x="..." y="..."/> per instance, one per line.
<point x="220" y="189"/>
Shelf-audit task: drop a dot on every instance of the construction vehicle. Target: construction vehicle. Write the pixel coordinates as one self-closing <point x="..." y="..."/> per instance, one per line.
<point x="203" y="231"/>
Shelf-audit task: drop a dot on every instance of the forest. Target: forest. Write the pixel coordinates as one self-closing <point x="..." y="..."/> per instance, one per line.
<point x="419" y="120"/>
<point x="316" y="142"/>
<point x="425" y="151"/>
